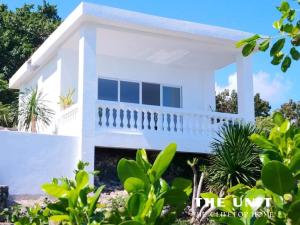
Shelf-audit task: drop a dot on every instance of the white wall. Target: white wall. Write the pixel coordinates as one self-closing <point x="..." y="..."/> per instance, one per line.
<point x="196" y="85"/>
<point x="47" y="80"/>
<point x="29" y="160"/>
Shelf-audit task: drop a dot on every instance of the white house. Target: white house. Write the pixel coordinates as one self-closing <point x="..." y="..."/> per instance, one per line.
<point x="140" y="81"/>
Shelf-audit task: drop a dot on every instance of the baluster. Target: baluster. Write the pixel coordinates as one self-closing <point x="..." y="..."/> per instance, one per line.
<point x="185" y="123"/>
<point x="118" y="117"/>
<point x="159" y="121"/>
<point x="129" y="116"/>
<point x="172" y="122"/>
<point x="100" y="114"/>
<point x="179" y="123"/>
<point x="139" y="120"/>
<point x="110" y="117"/>
<point x="152" y="122"/>
<point x="165" y="121"/>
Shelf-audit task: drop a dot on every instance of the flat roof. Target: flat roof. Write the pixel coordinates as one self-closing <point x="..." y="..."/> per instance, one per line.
<point x="88" y="12"/>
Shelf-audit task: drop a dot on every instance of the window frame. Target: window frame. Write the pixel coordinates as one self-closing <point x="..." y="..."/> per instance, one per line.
<point x="161" y="85"/>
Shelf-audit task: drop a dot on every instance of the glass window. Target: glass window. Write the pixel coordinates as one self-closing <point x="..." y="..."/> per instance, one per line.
<point x="171" y="97"/>
<point x="107" y="89"/>
<point x="129" y="92"/>
<point x="150" y="94"/>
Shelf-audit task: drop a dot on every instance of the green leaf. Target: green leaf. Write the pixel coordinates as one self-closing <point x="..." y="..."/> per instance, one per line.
<point x="59" y="218"/>
<point x="142" y="159"/>
<point x="163" y="160"/>
<point x="288" y="28"/>
<point x="247" y="40"/>
<point x="129" y="168"/>
<point x="269" y="155"/>
<point x="293" y="213"/>
<point x="261" y="221"/>
<point x="277" y="58"/>
<point x="248" y="48"/>
<point x="278" y="45"/>
<point x="82" y="179"/>
<point x="55" y="190"/>
<point x="261" y="142"/>
<point x="94" y="200"/>
<point x="182" y="184"/>
<point x="285" y="6"/>
<point x="264" y="45"/>
<point x="209" y="195"/>
<point x="277" y="178"/>
<point x="285" y="126"/>
<point x="278" y="118"/>
<point x="130" y="222"/>
<point x="136" y="204"/>
<point x="295" y="163"/>
<point x="286" y="63"/>
<point x="133" y="184"/>
<point x="295" y="53"/>
<point x="229" y="220"/>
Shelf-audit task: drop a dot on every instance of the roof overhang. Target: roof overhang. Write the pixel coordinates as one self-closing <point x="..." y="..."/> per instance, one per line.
<point x="87" y="12"/>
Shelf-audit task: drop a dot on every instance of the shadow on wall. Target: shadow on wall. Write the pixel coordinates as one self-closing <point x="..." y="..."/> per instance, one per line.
<point x="106" y="161"/>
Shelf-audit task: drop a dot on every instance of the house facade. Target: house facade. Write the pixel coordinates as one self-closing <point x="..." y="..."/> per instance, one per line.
<point x="139" y="81"/>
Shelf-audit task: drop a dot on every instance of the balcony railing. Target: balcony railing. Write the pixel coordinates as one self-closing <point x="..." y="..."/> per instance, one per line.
<point x="131" y="117"/>
<point x="67" y="120"/>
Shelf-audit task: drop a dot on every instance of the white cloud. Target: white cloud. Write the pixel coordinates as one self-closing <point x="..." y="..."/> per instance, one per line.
<point x="271" y="87"/>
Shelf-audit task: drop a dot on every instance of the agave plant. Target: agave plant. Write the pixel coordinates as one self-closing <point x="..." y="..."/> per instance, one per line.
<point x="67" y="100"/>
<point x="34" y="113"/>
<point x="234" y="157"/>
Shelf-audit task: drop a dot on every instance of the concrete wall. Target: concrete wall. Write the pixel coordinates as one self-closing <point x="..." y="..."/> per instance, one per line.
<point x="29" y="160"/>
<point x="198" y="91"/>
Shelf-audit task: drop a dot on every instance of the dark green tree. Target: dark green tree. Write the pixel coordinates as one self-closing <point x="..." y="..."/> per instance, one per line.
<point x="22" y="31"/>
<point x="262" y="107"/>
<point x="291" y="111"/>
<point x="227" y="102"/>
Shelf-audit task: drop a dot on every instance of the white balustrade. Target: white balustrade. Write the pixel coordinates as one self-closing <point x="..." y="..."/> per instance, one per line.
<point x="124" y="116"/>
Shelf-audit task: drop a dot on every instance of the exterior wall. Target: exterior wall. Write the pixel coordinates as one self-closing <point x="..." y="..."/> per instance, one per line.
<point x="29" y="160"/>
<point x="47" y="79"/>
<point x="197" y="93"/>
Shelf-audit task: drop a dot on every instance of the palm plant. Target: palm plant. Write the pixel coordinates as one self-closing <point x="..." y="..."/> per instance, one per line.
<point x="34" y="113"/>
<point x="235" y="158"/>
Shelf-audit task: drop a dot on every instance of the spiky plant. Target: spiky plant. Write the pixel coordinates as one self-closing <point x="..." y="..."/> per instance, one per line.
<point x="234" y="157"/>
<point x="34" y="113"/>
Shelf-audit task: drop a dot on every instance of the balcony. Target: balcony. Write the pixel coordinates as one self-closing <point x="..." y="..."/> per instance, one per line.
<point x="160" y="121"/>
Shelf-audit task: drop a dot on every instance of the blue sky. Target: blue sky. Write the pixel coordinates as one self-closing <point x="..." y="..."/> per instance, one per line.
<point x="254" y="16"/>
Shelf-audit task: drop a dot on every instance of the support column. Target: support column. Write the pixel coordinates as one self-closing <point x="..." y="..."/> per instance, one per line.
<point x="87" y="92"/>
<point x="245" y="88"/>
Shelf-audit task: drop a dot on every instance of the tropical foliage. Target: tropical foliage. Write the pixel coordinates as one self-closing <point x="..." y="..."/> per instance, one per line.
<point x="280" y="179"/>
<point x="148" y="192"/>
<point x="234" y="157"/>
<point x="21" y="32"/>
<point x="76" y="199"/>
<point x="34" y="113"/>
<point x="283" y="47"/>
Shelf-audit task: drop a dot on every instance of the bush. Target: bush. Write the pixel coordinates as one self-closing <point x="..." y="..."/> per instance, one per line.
<point x="234" y="157"/>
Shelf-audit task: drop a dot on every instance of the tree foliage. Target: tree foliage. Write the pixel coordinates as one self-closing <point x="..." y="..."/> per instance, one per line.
<point x="283" y="48"/>
<point x="21" y="32"/>
<point x="227" y="102"/>
<point x="291" y="111"/>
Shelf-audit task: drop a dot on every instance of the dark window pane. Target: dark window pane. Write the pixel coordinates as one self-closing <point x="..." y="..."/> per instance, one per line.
<point x="171" y="97"/>
<point x="129" y="92"/>
<point x="150" y="94"/>
<point x="108" y="89"/>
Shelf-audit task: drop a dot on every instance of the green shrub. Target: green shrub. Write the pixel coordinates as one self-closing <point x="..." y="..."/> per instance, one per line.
<point x="234" y="157"/>
<point x="152" y="200"/>
<point x="76" y="200"/>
